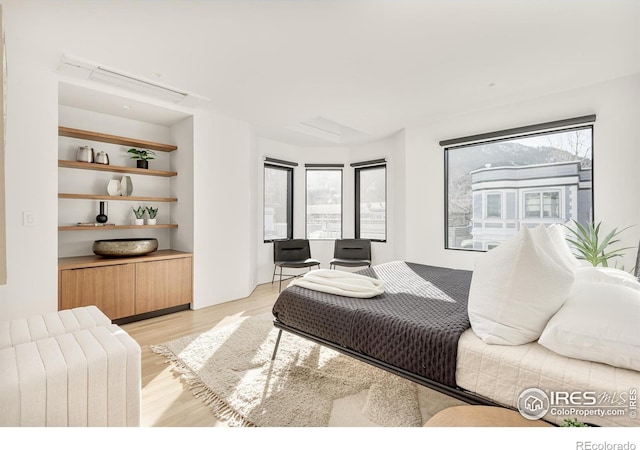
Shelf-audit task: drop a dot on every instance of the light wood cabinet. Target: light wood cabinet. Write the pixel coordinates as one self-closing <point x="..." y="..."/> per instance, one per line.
<point x="110" y="288"/>
<point x="127" y="289"/>
<point x="162" y="284"/>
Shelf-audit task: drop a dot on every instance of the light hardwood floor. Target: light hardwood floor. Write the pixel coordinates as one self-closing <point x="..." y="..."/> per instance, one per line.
<point x="165" y="401"/>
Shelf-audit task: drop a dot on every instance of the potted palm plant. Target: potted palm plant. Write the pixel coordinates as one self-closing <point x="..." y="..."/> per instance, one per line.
<point x="592" y="246"/>
<point x="153" y="212"/>
<point x="142" y="157"/>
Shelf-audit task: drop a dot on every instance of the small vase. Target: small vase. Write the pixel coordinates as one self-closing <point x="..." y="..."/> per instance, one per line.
<point x="139" y="221"/>
<point x="113" y="188"/>
<point x="102" y="217"/>
<point x="142" y="164"/>
<point x="151" y="221"/>
<point x="126" y="186"/>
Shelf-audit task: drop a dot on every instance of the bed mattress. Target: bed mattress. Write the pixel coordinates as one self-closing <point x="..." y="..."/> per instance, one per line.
<point x="501" y="373"/>
<point x="415" y="325"/>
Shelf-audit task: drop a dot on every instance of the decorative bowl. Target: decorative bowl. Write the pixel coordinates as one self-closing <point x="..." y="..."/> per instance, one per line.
<point x="125" y="247"/>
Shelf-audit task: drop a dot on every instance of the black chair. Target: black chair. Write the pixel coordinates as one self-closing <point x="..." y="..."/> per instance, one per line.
<point x="294" y="254"/>
<point x="351" y="253"/>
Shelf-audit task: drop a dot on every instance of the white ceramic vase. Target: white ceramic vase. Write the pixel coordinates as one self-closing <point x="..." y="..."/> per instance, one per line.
<point x="151" y="221"/>
<point x="113" y="188"/>
<point x="126" y="186"/>
<point x="139" y="221"/>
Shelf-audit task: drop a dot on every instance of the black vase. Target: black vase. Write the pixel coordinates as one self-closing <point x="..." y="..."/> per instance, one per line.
<point x="142" y="164"/>
<point x="102" y="217"/>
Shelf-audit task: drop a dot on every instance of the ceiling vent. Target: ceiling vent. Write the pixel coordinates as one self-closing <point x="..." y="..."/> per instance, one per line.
<point x="90" y="71"/>
<point x="326" y="129"/>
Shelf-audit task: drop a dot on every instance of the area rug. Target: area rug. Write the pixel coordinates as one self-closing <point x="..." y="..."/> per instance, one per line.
<point x="306" y="385"/>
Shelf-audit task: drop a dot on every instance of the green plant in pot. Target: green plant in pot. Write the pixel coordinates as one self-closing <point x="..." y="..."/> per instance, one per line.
<point x="142" y="157"/>
<point x="153" y="212"/>
<point x="591" y="246"/>
<point x="139" y="214"/>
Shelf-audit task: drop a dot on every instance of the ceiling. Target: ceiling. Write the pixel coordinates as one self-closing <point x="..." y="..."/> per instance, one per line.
<point x="370" y="67"/>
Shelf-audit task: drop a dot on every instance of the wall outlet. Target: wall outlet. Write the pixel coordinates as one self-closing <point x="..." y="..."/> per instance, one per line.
<point x="28" y="219"/>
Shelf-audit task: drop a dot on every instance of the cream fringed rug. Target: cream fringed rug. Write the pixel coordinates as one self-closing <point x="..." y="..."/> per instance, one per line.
<point x="307" y="385"/>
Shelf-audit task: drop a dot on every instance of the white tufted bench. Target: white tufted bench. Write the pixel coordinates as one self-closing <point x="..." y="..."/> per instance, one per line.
<point x="33" y="328"/>
<point x="76" y="369"/>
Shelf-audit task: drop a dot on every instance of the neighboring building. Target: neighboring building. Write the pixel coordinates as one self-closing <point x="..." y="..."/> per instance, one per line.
<point x="506" y="198"/>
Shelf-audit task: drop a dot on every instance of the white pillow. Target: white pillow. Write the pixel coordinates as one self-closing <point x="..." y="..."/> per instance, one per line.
<point x="606" y="275"/>
<point x="554" y="245"/>
<point x="558" y="237"/>
<point x="515" y="289"/>
<point x="598" y="322"/>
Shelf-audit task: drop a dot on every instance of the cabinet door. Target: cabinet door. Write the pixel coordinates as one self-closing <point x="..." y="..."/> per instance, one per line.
<point x="110" y="288"/>
<point x="163" y="284"/>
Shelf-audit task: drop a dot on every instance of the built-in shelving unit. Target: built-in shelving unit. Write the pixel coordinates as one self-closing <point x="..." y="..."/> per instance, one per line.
<point x="127" y="288"/>
<point x="119" y="140"/>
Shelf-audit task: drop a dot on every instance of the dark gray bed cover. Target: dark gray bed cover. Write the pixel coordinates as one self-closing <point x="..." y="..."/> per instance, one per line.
<point x="415" y="325"/>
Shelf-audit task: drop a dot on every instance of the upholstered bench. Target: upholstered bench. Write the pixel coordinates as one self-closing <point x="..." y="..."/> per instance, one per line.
<point x="90" y="376"/>
<point x="33" y="328"/>
<point x="481" y="416"/>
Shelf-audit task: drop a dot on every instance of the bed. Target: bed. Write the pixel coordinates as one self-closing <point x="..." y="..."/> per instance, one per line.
<point x="419" y="329"/>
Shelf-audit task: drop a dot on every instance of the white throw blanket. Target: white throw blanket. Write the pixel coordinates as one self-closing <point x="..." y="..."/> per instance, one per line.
<point x="340" y="283"/>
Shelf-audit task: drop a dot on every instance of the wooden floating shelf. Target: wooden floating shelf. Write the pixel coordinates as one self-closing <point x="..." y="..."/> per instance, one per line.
<point x="111" y="139"/>
<point x="113" y="227"/>
<point x="117" y="169"/>
<point x="116" y="198"/>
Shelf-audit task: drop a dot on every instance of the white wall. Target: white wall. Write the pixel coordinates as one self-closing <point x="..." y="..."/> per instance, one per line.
<point x="391" y="148"/>
<point x="182" y="185"/>
<point x="222" y="209"/>
<point x="31" y="155"/>
<point x="616" y="143"/>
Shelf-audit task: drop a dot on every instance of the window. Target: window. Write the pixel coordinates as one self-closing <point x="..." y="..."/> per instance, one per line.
<point x="278" y="202"/>
<point x="324" y="203"/>
<point x="542" y="205"/>
<point x="499" y="182"/>
<point x="494" y="206"/>
<point x="551" y="204"/>
<point x="371" y="203"/>
<point x="531" y="206"/>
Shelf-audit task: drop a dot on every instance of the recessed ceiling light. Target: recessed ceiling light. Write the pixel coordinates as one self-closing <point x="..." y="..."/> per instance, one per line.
<point x="157" y="75"/>
<point x="126" y="106"/>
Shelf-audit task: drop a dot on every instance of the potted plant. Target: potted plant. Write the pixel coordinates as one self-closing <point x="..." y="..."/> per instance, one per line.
<point x="153" y="212"/>
<point x="591" y="246"/>
<point x="142" y="157"/>
<point x="139" y="215"/>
